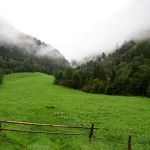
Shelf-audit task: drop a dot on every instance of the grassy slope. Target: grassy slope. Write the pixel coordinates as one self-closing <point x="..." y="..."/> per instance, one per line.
<point x="32" y="97"/>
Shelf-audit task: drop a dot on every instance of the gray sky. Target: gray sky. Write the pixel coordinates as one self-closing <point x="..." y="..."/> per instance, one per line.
<point x="78" y="28"/>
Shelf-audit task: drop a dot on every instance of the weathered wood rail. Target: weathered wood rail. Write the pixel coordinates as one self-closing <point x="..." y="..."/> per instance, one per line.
<point x="90" y="135"/>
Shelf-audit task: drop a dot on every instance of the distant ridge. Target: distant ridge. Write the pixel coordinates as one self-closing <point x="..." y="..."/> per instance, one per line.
<point x="16" y="46"/>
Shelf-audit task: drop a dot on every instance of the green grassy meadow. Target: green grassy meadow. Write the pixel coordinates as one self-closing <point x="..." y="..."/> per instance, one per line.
<point x="32" y="97"/>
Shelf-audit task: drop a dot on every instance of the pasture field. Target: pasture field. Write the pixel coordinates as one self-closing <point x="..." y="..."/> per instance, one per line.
<point x="32" y="97"/>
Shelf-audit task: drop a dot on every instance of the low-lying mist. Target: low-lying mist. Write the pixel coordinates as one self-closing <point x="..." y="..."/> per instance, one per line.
<point x="131" y="23"/>
<point x="79" y="37"/>
<point x="10" y="35"/>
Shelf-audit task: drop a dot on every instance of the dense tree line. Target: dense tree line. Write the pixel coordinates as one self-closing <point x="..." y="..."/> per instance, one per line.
<point x="126" y="71"/>
<point x="16" y="59"/>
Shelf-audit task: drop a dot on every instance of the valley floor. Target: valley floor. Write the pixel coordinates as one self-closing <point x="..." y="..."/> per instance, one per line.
<point x="32" y="97"/>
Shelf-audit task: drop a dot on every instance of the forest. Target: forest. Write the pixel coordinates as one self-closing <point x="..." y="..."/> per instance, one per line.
<point x="125" y="71"/>
<point x="23" y="57"/>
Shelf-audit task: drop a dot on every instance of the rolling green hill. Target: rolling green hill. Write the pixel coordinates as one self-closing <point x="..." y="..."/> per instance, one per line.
<point x="32" y="97"/>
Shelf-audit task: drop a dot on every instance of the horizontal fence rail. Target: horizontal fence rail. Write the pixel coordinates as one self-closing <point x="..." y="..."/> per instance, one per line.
<point x="90" y="135"/>
<point x="31" y="131"/>
<point x="39" y="124"/>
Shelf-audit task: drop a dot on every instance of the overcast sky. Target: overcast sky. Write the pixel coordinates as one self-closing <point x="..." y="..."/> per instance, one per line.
<point x="78" y="28"/>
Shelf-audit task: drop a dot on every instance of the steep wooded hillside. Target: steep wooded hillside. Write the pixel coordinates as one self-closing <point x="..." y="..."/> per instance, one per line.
<point x="126" y="71"/>
<point x="24" y="53"/>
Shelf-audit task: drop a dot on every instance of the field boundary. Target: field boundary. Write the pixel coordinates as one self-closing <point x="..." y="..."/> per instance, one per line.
<point x="90" y="134"/>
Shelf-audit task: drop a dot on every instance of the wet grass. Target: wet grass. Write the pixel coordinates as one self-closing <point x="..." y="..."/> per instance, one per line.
<point x="32" y="97"/>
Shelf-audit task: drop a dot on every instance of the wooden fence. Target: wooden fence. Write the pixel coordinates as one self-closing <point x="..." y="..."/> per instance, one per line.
<point x="90" y="134"/>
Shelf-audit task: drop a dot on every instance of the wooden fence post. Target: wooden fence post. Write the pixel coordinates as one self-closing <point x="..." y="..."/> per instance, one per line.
<point x="129" y="143"/>
<point x="0" y="127"/>
<point x="50" y="125"/>
<point x="91" y="132"/>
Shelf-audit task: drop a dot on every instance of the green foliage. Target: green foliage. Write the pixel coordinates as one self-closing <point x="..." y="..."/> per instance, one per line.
<point x="124" y="72"/>
<point x="103" y="55"/>
<point x="126" y="46"/>
<point x="95" y="86"/>
<point x="78" y="78"/>
<point x="32" y="97"/>
<point x="58" y="76"/>
<point x="14" y="58"/>
<point x="98" y="71"/>
<point x="67" y="77"/>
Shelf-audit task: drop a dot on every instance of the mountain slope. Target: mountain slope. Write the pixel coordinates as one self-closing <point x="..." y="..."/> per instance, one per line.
<point x="126" y="71"/>
<point x="20" y="52"/>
